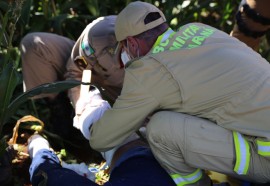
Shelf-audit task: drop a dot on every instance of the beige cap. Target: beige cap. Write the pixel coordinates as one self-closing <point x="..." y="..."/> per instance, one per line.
<point x="95" y="38"/>
<point x="130" y="21"/>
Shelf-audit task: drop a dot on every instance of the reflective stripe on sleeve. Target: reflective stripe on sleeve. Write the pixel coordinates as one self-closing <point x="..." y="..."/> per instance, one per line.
<point x="188" y="179"/>
<point x="263" y="147"/>
<point x="242" y="150"/>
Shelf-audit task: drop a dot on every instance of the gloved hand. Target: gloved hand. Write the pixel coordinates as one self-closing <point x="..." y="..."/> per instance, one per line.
<point x="89" y="110"/>
<point x="92" y="97"/>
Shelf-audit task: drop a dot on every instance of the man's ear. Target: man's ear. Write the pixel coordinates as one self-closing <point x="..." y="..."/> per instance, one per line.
<point x="133" y="45"/>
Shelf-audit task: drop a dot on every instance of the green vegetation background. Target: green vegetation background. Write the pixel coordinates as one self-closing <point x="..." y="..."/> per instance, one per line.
<point x="69" y="18"/>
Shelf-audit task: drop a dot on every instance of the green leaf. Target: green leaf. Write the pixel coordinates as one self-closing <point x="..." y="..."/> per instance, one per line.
<point x="92" y="6"/>
<point x="58" y="21"/>
<point x="42" y="89"/>
<point x="25" y="12"/>
<point x="3" y="27"/>
<point x="3" y="146"/>
<point x="9" y="79"/>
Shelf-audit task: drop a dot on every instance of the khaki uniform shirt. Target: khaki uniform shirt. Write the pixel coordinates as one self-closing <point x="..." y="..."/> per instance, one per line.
<point x="199" y="71"/>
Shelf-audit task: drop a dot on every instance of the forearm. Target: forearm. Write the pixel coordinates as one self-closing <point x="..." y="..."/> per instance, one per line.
<point x="45" y="161"/>
<point x="118" y="123"/>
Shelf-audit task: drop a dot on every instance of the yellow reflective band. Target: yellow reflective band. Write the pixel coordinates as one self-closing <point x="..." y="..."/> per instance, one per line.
<point x="263" y="147"/>
<point x="158" y="41"/>
<point x="167" y="34"/>
<point x="162" y="40"/>
<point x="188" y="179"/>
<point x="242" y="150"/>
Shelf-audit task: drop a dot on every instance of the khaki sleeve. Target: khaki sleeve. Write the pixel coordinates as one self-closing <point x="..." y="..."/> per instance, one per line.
<point x="126" y="116"/>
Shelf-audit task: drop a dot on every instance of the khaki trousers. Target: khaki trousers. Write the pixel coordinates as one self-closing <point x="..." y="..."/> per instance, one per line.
<point x="44" y="58"/>
<point x="184" y="143"/>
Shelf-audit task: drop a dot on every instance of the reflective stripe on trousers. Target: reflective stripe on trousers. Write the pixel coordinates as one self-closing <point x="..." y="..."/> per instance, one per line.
<point x="242" y="150"/>
<point x="263" y="147"/>
<point x="188" y="179"/>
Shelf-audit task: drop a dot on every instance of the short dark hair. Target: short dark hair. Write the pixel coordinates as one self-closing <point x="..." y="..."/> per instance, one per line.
<point x="152" y="34"/>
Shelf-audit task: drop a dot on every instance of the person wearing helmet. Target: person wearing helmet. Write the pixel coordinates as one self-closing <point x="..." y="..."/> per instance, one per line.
<point x="48" y="57"/>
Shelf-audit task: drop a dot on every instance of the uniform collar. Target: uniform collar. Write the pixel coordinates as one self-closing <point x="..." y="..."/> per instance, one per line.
<point x="163" y="37"/>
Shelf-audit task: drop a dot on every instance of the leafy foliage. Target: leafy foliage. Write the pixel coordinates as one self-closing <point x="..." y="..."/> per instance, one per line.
<point x="9" y="76"/>
<point x="69" y="18"/>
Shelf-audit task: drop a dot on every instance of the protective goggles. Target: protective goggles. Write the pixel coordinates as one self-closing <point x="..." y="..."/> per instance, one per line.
<point x="86" y="48"/>
<point x="85" y="51"/>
